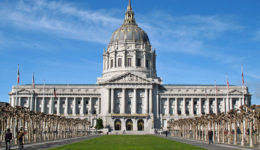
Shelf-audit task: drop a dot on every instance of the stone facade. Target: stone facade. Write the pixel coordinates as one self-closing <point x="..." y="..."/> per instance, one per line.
<point x="129" y="96"/>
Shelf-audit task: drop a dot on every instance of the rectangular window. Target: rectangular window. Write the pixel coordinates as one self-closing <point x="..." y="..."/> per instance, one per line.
<point x="111" y="63"/>
<point x="138" y="62"/>
<point x="147" y="64"/>
<point x="119" y="62"/>
<point x="129" y="62"/>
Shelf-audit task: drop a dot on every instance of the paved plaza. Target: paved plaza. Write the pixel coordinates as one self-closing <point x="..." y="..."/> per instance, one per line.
<point x="57" y="143"/>
<point x="205" y="145"/>
<point x="51" y="144"/>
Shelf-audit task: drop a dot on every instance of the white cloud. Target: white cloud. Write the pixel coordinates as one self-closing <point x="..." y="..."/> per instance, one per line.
<point x="178" y="34"/>
<point x="62" y="19"/>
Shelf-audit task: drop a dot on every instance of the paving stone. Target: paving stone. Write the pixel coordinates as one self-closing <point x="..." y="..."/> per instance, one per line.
<point x="205" y="145"/>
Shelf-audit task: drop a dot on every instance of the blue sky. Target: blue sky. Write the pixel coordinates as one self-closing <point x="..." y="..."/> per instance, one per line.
<point x="197" y="42"/>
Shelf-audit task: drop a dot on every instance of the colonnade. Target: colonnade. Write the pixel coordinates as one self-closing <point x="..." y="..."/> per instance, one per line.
<point x="239" y="127"/>
<point x="199" y="105"/>
<point x="54" y="105"/>
<point x="38" y="126"/>
<point x="146" y="101"/>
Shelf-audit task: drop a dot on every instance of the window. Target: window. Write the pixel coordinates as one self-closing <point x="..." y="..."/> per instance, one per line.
<point x="179" y="112"/>
<point x="129" y="62"/>
<point x="78" y="102"/>
<point x="119" y="62"/>
<point x="147" y="64"/>
<point x="138" y="62"/>
<point x="111" y="63"/>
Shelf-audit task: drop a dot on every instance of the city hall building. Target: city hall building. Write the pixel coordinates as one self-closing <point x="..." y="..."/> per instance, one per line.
<point x="129" y="96"/>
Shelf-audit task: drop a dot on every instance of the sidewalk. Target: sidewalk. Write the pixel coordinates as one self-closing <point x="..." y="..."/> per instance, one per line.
<point x="51" y="144"/>
<point x="205" y="145"/>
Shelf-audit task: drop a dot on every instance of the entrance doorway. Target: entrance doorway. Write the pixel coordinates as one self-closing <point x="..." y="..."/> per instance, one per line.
<point x="117" y="125"/>
<point x="129" y="125"/>
<point x="140" y="125"/>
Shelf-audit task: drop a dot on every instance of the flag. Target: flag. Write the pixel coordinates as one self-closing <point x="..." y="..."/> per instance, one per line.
<point x="227" y="83"/>
<point x="54" y="93"/>
<point x="243" y="81"/>
<point x="33" y="84"/>
<point x="18" y="76"/>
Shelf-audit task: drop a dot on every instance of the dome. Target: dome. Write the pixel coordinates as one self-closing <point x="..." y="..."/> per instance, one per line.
<point x="129" y="31"/>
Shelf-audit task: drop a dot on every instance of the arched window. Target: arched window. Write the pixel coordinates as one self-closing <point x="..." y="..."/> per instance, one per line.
<point x="140" y="125"/>
<point x="129" y="125"/>
<point x="117" y="125"/>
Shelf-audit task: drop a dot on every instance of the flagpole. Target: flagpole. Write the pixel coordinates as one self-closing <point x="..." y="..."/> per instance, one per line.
<point x="216" y="107"/>
<point x="242" y="86"/>
<point x="43" y="97"/>
<point x="17" y="83"/>
<point x="227" y="103"/>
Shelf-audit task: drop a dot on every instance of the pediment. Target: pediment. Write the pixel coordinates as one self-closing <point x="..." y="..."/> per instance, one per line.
<point x="235" y="92"/>
<point x="24" y="91"/>
<point x="129" y="78"/>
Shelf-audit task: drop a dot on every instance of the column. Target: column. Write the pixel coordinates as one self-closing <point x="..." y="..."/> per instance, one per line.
<point x="115" y="60"/>
<point x="99" y="106"/>
<point x="112" y="101"/>
<point x="176" y="106"/>
<point x="145" y="59"/>
<point x="30" y="103"/>
<point x="134" y="103"/>
<point x="19" y="101"/>
<point x="184" y="106"/>
<point x="66" y="106"/>
<point x="82" y="106"/>
<point x="109" y="101"/>
<point x="216" y="105"/>
<point x="123" y="102"/>
<point x="240" y="101"/>
<point x="124" y="59"/>
<point x="200" y="106"/>
<point x="58" y="106"/>
<point x="192" y="106"/>
<point x="50" y="105"/>
<point x="168" y="106"/>
<point x="158" y="105"/>
<point x="208" y="105"/>
<point x="35" y="104"/>
<point x="145" y="101"/>
<point x="151" y="101"/>
<point x="90" y="105"/>
<point x="134" y="58"/>
<point x="43" y="105"/>
<point x="227" y="103"/>
<point x="75" y="106"/>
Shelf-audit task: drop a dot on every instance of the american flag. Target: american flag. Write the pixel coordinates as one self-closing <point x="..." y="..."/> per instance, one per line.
<point x="243" y="81"/>
<point x="227" y="83"/>
<point x="18" y="76"/>
<point x="33" y="84"/>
